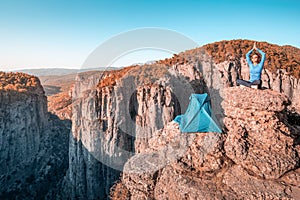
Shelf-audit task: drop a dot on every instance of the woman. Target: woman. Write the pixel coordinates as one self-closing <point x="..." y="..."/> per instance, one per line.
<point x="255" y="66"/>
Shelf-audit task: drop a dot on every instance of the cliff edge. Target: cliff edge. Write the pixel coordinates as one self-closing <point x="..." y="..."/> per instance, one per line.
<point x="257" y="156"/>
<point x="117" y="113"/>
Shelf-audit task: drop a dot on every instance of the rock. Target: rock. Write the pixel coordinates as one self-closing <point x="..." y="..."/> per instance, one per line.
<point x="114" y="116"/>
<point x="250" y="187"/>
<point x="33" y="142"/>
<point x="141" y="171"/>
<point x="120" y="113"/>
<point x="174" y="184"/>
<point x="258" y="139"/>
<point x="281" y="72"/>
<point x="61" y="105"/>
<point x="292" y="178"/>
<point x="245" y="163"/>
<point x="146" y="172"/>
<point x="23" y="115"/>
<point x="124" y="115"/>
<point x="119" y="191"/>
<point x="88" y="177"/>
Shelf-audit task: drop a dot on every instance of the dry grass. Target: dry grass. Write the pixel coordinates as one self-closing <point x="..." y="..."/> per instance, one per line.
<point x="109" y="78"/>
<point x="277" y="57"/>
<point x="176" y="59"/>
<point x="18" y="82"/>
<point x="145" y="74"/>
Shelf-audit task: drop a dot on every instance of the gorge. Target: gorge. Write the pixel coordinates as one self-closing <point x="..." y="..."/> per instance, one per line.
<point x="121" y="141"/>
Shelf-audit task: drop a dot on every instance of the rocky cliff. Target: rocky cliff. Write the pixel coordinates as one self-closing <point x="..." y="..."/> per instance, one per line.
<point x="33" y="150"/>
<point x="257" y="156"/>
<point x="117" y="113"/>
<point x="24" y="104"/>
<point x="114" y="115"/>
<point x="121" y="122"/>
<point x="222" y="62"/>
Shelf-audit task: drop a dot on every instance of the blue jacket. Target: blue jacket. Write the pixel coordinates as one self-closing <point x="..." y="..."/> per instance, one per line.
<point x="255" y="70"/>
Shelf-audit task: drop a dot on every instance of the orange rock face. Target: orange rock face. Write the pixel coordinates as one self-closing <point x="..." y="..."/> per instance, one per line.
<point x="61" y="105"/>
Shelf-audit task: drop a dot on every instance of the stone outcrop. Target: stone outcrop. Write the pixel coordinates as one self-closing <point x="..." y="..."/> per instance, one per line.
<point x="33" y="143"/>
<point x="222" y="62"/>
<point x="281" y="69"/>
<point x="262" y="140"/>
<point x="117" y="113"/>
<point x="256" y="158"/>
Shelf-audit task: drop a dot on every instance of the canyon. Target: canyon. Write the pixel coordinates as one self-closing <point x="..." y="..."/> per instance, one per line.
<point x="115" y="138"/>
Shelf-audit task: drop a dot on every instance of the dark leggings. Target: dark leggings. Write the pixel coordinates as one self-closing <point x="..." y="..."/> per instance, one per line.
<point x="248" y="83"/>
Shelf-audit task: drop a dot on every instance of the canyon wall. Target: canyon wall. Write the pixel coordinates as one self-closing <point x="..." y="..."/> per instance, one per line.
<point x="23" y="116"/>
<point x="123" y="118"/>
<point x="113" y="120"/>
<point x="33" y="143"/>
<point x="116" y="113"/>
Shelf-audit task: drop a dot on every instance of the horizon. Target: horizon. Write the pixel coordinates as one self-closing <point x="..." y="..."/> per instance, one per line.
<point x="62" y="34"/>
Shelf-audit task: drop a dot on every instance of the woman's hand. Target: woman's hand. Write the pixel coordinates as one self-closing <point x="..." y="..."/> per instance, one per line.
<point x="254" y="46"/>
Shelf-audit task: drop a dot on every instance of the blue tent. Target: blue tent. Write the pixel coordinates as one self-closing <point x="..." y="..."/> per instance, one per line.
<point x="198" y="116"/>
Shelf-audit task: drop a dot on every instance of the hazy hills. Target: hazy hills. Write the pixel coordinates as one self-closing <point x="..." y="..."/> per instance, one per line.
<point x="60" y="71"/>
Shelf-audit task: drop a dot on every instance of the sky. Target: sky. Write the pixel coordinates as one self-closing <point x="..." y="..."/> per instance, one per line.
<point x="60" y="33"/>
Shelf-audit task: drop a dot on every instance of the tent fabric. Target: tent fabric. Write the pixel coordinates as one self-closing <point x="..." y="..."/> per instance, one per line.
<point x="198" y="116"/>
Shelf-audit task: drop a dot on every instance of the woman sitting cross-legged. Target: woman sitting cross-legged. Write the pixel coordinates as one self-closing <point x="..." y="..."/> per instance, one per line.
<point x="256" y="66"/>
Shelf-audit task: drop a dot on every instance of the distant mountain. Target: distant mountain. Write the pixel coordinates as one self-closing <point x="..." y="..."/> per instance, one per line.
<point x="60" y="71"/>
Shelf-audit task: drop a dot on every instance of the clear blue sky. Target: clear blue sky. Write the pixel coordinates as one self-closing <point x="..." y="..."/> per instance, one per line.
<point x="60" y="33"/>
